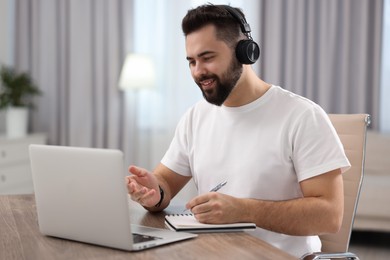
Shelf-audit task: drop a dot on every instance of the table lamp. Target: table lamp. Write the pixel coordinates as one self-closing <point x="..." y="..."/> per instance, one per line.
<point x="138" y="73"/>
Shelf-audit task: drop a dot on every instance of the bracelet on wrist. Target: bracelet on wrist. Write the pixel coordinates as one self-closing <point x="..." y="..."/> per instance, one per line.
<point x="161" y="197"/>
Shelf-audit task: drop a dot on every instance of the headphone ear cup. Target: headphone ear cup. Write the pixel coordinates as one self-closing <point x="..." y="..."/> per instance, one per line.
<point x="247" y="51"/>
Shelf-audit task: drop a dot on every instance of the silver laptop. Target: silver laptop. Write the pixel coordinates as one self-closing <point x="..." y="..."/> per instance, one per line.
<point x="81" y="195"/>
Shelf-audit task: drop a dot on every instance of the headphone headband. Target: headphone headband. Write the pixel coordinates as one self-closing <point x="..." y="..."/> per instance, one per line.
<point x="245" y="27"/>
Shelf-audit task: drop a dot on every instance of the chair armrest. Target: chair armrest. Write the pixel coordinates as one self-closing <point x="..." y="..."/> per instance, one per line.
<point x="324" y="255"/>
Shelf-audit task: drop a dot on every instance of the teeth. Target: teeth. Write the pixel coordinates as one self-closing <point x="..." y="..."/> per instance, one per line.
<point x="207" y="82"/>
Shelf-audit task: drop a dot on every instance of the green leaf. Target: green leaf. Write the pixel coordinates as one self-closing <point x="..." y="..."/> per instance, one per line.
<point x="17" y="88"/>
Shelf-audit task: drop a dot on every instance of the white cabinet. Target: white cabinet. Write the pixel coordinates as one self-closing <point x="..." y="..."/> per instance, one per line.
<point x="15" y="172"/>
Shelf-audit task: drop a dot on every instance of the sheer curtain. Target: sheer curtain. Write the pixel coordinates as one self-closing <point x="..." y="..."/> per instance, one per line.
<point x="326" y="50"/>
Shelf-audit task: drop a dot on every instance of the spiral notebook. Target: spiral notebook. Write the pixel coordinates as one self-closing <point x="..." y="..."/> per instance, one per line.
<point x="188" y="223"/>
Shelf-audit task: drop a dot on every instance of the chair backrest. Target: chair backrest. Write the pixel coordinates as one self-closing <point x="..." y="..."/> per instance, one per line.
<point x="351" y="129"/>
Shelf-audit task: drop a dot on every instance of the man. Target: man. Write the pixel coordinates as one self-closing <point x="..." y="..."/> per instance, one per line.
<point x="278" y="152"/>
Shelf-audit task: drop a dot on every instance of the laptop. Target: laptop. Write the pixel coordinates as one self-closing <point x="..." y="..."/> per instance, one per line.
<point x="81" y="195"/>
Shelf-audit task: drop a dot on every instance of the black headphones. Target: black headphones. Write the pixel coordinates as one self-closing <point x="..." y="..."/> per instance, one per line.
<point x="247" y="51"/>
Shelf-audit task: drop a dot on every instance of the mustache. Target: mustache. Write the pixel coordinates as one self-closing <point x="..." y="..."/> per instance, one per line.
<point x="205" y="77"/>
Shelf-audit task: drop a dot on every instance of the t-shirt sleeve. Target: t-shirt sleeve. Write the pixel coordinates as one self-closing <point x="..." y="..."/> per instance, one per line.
<point x="176" y="157"/>
<point x="317" y="148"/>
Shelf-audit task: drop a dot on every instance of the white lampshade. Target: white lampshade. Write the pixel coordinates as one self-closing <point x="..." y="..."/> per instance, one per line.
<point x="137" y="72"/>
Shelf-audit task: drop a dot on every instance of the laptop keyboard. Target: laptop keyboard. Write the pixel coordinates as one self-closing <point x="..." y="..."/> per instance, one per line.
<point x="139" y="238"/>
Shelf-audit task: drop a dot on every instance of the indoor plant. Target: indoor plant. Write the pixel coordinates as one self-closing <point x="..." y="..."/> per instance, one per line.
<point x="16" y="92"/>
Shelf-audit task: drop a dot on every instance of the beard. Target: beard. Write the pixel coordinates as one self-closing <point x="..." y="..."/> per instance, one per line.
<point x="223" y="85"/>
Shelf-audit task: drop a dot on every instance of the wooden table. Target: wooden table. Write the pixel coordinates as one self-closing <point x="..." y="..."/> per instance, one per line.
<point x="20" y="239"/>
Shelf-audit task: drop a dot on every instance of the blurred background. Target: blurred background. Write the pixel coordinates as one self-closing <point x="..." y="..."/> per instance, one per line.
<point x="336" y="53"/>
<point x="333" y="52"/>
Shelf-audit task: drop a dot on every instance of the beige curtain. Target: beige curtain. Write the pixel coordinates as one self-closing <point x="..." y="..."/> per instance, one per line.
<point x="325" y="50"/>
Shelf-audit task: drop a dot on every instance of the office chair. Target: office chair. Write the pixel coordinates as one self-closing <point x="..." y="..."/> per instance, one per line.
<point x="351" y="129"/>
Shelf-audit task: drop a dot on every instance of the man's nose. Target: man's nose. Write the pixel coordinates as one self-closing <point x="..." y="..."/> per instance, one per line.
<point x="198" y="70"/>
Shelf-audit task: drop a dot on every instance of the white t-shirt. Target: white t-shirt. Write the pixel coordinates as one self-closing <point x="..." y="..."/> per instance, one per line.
<point x="262" y="149"/>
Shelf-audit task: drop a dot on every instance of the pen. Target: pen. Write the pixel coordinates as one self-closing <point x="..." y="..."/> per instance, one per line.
<point x="215" y="189"/>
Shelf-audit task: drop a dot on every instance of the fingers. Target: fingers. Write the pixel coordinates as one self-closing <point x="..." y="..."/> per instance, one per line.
<point x="203" y="203"/>
<point x="141" y="194"/>
<point x="210" y="208"/>
<point x="139" y="178"/>
<point x="142" y="186"/>
<point x="137" y="171"/>
<point x="134" y="187"/>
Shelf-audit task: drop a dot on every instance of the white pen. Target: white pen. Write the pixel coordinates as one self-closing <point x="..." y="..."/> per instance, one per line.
<point x="215" y="189"/>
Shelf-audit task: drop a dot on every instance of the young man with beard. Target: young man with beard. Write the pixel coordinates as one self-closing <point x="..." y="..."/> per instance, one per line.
<point x="278" y="152"/>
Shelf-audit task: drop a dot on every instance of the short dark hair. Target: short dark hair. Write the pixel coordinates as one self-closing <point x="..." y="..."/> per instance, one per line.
<point x="227" y="27"/>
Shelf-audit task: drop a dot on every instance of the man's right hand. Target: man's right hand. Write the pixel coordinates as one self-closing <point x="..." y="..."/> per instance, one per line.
<point x="143" y="187"/>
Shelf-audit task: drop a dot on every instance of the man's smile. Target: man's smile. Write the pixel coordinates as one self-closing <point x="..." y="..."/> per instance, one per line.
<point x="207" y="84"/>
